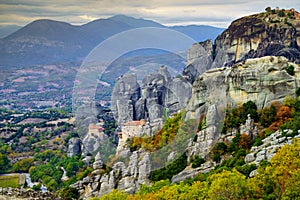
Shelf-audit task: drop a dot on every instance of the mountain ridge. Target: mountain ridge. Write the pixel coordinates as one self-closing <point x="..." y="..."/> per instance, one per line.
<point x="36" y="43"/>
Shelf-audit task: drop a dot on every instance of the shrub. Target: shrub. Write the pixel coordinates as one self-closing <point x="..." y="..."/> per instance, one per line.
<point x="246" y="169"/>
<point x="69" y="193"/>
<point x="197" y="161"/>
<point x="298" y="92"/>
<point x="216" y="157"/>
<point x="170" y="170"/>
<point x="290" y="70"/>
<point x="281" y="13"/>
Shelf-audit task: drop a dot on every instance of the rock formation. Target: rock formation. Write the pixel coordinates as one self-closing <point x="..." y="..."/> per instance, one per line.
<point x="74" y="147"/>
<point x="249" y="61"/>
<point x="124" y="96"/>
<point x="120" y="177"/>
<point x="199" y="59"/>
<point x="16" y="193"/>
<point x="158" y="92"/>
<point x="98" y="164"/>
<point x="262" y="80"/>
<point x="270" y="146"/>
<point x="258" y="35"/>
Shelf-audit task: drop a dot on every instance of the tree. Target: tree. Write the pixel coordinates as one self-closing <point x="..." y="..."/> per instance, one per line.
<point x="245" y="141"/>
<point x="280" y="179"/>
<point x="268" y="9"/>
<point x="228" y="185"/>
<point x="115" y="194"/>
<point x="4" y="163"/>
<point x="197" y="161"/>
<point x="283" y="115"/>
<point x="69" y="193"/>
<point x="281" y="13"/>
<point x="290" y="69"/>
<point x="250" y="108"/>
<point x="23" y="165"/>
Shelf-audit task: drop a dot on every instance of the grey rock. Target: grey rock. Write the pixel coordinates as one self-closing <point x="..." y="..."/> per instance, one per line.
<point x="98" y="164"/>
<point x="252" y="37"/>
<point x="249" y="158"/>
<point x="164" y="72"/>
<point x="144" y="169"/>
<point x="199" y="59"/>
<point x="125" y="94"/>
<point x="74" y="147"/>
<point x="253" y="173"/>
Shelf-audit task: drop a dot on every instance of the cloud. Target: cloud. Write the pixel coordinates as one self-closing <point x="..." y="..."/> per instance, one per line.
<point x="167" y="12"/>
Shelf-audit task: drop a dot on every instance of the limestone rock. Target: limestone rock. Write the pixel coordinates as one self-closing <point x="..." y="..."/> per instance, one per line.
<point x="98" y="164"/>
<point x="74" y="147"/>
<point x="199" y="59"/>
<point x="125" y="93"/>
<point x="262" y="80"/>
<point x="255" y="36"/>
<point x="268" y="149"/>
<point x="144" y="169"/>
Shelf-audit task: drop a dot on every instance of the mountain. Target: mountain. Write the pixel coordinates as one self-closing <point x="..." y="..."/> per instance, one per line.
<point x="198" y="32"/>
<point x="6" y="30"/>
<point x="49" y="42"/>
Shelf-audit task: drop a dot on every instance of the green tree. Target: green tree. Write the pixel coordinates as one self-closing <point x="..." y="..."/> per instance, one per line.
<point x="228" y="185"/>
<point x="23" y="165"/>
<point x="69" y="193"/>
<point x="4" y="163"/>
<point x="279" y="179"/>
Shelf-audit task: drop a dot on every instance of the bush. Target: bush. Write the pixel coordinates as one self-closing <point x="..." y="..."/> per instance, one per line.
<point x="298" y="92"/>
<point x="281" y="13"/>
<point x="246" y="169"/>
<point x="69" y="193"/>
<point x="23" y="165"/>
<point x="170" y="170"/>
<point x="197" y="161"/>
<point x="290" y="70"/>
<point x="216" y="157"/>
<point x="220" y="148"/>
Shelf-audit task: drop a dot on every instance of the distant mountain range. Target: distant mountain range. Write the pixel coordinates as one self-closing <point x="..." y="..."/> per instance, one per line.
<point x="51" y="42"/>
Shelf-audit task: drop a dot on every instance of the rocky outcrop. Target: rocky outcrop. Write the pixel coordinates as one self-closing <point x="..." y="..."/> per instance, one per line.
<point x="94" y="139"/>
<point x="159" y="96"/>
<point x="270" y="146"/>
<point x="262" y="80"/>
<point x="199" y="59"/>
<point x="191" y="173"/>
<point x="74" y="147"/>
<point x="98" y="163"/>
<point x="19" y="194"/>
<point x="120" y="177"/>
<point x="258" y="35"/>
<point x="125" y="94"/>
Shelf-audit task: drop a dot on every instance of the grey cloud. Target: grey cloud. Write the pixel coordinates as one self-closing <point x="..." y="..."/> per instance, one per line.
<point x="168" y="11"/>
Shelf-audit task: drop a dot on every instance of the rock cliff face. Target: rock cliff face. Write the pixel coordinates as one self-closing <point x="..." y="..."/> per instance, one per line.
<point x="270" y="146"/>
<point x="199" y="59"/>
<point x="261" y="80"/>
<point x="159" y="93"/>
<point x="259" y="35"/>
<point x="74" y="147"/>
<point x="124" y="96"/>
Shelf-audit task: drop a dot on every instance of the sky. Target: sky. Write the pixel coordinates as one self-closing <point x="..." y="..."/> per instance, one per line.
<point x="168" y="12"/>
